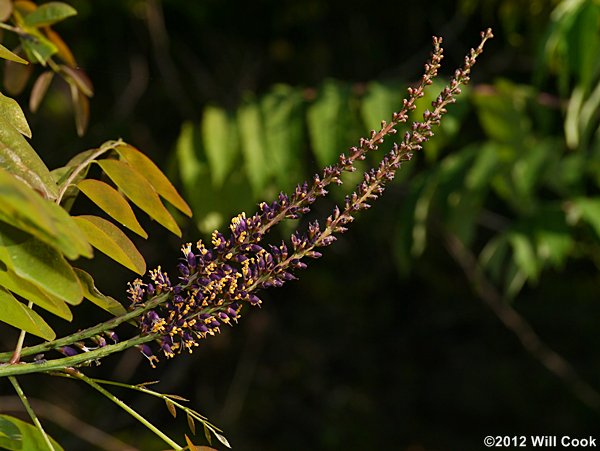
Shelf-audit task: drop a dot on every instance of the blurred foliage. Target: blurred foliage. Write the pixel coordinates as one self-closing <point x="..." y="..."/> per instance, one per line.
<point x="382" y="344"/>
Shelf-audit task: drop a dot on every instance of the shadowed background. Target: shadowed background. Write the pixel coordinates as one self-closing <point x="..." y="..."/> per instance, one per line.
<point x="383" y="343"/>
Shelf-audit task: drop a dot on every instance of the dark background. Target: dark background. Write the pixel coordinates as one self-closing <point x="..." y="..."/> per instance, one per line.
<point x="354" y="355"/>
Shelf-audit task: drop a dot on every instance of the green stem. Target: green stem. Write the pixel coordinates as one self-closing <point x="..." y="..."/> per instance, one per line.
<point x="73" y="361"/>
<point x="31" y="413"/>
<point x="87" y="333"/>
<point x="125" y="407"/>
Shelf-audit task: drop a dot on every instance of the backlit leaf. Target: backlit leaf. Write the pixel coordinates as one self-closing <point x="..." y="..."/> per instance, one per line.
<point x="139" y="191"/>
<point x="10" y="56"/>
<point x="39" y="89"/>
<point x="110" y="240"/>
<point x="191" y="423"/>
<point x="38" y="48"/>
<point x="91" y="293"/>
<point x="253" y="146"/>
<point x="30" y="292"/>
<point x="64" y="51"/>
<point x="79" y="78"/>
<point x="283" y="115"/>
<point x="22" y="317"/>
<point x="161" y="184"/>
<point x="39" y="264"/>
<point x="16" y="75"/>
<point x="23" y="208"/>
<point x="19" y="158"/>
<point x="49" y="13"/>
<point x="30" y="437"/>
<point x="219" y="135"/>
<point x="81" y="107"/>
<point x="113" y="203"/>
<point x="12" y="113"/>
<point x="6" y="8"/>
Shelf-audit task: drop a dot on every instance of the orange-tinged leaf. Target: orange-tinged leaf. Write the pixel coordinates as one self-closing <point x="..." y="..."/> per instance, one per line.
<point x="40" y="87"/>
<point x="8" y="55"/>
<point x="171" y="407"/>
<point x="80" y="78"/>
<point x="113" y="203"/>
<point x="63" y="49"/>
<point x="110" y="240"/>
<point x="6" y="8"/>
<point x="191" y="423"/>
<point x="25" y="6"/>
<point x="16" y="76"/>
<point x="154" y="175"/>
<point x="81" y="108"/>
<point x="139" y="191"/>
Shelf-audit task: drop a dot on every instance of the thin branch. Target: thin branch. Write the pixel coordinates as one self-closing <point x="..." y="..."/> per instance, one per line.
<point x="532" y="343"/>
<point x="30" y="411"/>
<point x="68" y="422"/>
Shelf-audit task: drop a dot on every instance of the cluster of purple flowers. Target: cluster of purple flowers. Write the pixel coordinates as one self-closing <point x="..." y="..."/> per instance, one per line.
<point x="214" y="283"/>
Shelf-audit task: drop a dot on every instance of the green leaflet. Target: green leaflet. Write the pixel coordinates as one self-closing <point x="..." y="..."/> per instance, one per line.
<point x="91" y="293"/>
<point x="139" y="191"/>
<point x="22" y="317"/>
<point x="110" y="240"/>
<point x="253" y="147"/>
<point x="39" y="264"/>
<point x="154" y="175"/>
<point x="39" y="49"/>
<point x="113" y="203"/>
<point x="16" y="434"/>
<point x="19" y="158"/>
<point x="283" y="118"/>
<point x="30" y="292"/>
<point x="24" y="209"/>
<point x="330" y="122"/>
<point x="11" y="112"/>
<point x="48" y="14"/>
<point x="220" y="138"/>
<point x="8" y="55"/>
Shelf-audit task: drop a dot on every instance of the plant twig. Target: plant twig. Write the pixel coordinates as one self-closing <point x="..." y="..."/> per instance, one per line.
<point x="530" y="340"/>
<point x="31" y="413"/>
<point x="78" y="375"/>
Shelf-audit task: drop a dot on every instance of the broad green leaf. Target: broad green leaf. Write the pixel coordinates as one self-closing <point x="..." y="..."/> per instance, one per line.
<point x="23" y="208"/>
<point x="283" y="117"/>
<point x="110" y="240"/>
<point x="484" y="167"/>
<point x="330" y="123"/>
<point x="253" y="146"/>
<point x="39" y="264"/>
<point x="161" y="184"/>
<point x="22" y="317"/>
<point x="113" y="203"/>
<point x="39" y="89"/>
<point x="220" y="138"/>
<point x="29" y="437"/>
<point x="8" y="55"/>
<point x="31" y="292"/>
<point x="16" y="76"/>
<point x="587" y="209"/>
<point x="379" y="102"/>
<point x="19" y="158"/>
<point x="49" y="13"/>
<point x="10" y="434"/>
<point x="91" y="293"/>
<point x="139" y="191"/>
<point x="38" y="48"/>
<point x="12" y="113"/>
